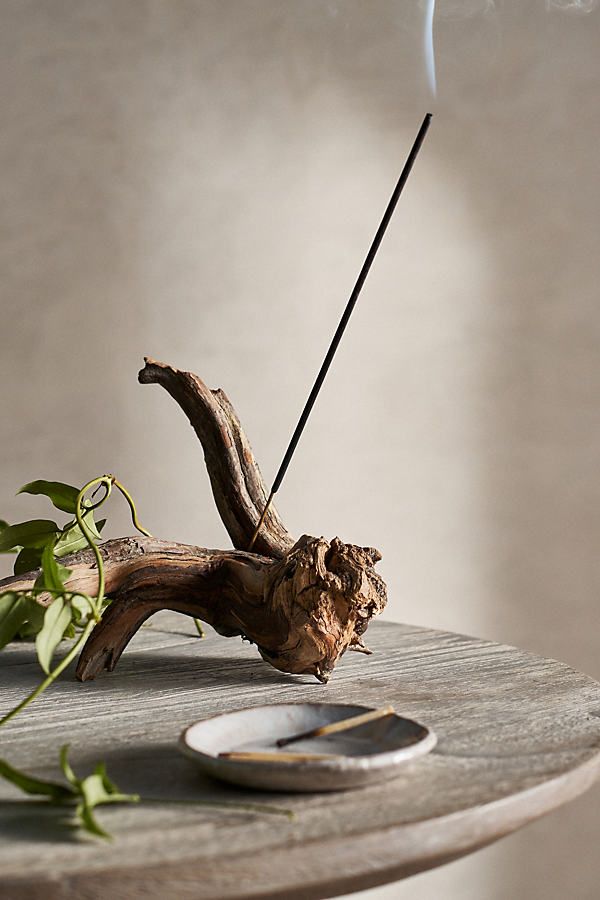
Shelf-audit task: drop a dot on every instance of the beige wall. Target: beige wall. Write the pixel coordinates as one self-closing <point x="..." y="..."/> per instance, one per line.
<point x="199" y="181"/>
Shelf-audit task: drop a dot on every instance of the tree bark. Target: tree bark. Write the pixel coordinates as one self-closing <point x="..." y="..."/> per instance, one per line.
<point x="302" y="612"/>
<point x="238" y="486"/>
<point x="302" y="603"/>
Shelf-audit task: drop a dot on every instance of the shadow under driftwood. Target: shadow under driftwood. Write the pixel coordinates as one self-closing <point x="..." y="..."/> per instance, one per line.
<point x="156" y="668"/>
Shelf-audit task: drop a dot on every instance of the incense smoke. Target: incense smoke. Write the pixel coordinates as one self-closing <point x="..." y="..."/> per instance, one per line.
<point x="572" y="6"/>
<point x="428" y="47"/>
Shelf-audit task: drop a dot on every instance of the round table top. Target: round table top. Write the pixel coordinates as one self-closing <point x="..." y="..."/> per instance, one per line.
<point x="517" y="736"/>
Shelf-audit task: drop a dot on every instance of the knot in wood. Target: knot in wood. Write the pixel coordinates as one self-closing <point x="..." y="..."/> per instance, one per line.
<point x="326" y="592"/>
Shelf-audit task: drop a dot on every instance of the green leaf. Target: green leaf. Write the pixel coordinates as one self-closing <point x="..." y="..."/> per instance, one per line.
<point x="70" y="541"/>
<point x="54" y="575"/>
<point x="63" y="573"/>
<point x="57" y="619"/>
<point x="20" y="616"/>
<point x="58" y="793"/>
<point x="88" y="822"/>
<point x="66" y="766"/>
<point x="63" y="496"/>
<point x="3" y="526"/>
<point x="34" y="533"/>
<point x="74" y="539"/>
<point x="13" y="613"/>
<point x="82" y="607"/>
<point x="35" y="618"/>
<point x="108" y="785"/>
<point x="88" y="518"/>
<point x="7" y="599"/>
<point x="29" y="558"/>
<point x="113" y="794"/>
<point x="95" y="790"/>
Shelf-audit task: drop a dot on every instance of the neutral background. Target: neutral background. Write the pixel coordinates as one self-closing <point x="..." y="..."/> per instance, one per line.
<point x="199" y="181"/>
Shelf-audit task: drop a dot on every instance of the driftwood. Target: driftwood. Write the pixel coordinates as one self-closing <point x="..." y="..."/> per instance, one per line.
<point x="303" y="603"/>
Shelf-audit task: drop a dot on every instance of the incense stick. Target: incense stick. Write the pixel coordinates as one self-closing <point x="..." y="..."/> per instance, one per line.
<point x="336" y="727"/>
<point x="267" y="756"/>
<point x="344" y="321"/>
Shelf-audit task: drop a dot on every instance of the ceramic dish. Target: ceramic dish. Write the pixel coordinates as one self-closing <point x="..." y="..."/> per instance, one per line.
<point x="369" y="753"/>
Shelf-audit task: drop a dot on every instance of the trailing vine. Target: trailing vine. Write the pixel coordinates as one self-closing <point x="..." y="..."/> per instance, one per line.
<point x="48" y="613"/>
<point x="20" y="610"/>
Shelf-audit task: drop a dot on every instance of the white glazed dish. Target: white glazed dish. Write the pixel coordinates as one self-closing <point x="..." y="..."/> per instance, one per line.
<point x="373" y="752"/>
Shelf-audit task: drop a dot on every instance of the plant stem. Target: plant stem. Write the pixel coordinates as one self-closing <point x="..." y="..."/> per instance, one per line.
<point x="95" y="605"/>
<point x="107" y="481"/>
<point x="129" y="499"/>
<point x="53" y="674"/>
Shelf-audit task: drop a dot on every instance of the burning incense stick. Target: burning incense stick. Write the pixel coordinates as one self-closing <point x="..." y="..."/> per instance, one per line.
<point x="344" y="320"/>
<point x="336" y="727"/>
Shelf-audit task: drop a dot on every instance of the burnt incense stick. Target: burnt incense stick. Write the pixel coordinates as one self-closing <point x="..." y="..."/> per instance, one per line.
<point x="273" y="756"/>
<point x="341" y="725"/>
<point x="344" y="320"/>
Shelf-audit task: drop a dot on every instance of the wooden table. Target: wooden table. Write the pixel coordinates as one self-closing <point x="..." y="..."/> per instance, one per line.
<point x="518" y="736"/>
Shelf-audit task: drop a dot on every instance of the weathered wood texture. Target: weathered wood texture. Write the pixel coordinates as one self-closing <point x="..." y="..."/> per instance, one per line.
<point x="302" y="603"/>
<point x="302" y="612"/>
<point x="518" y="736"/>
<point x="237" y="484"/>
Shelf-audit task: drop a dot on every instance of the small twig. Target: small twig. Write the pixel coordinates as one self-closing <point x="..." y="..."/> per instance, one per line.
<point x="336" y="727"/>
<point x="79" y="643"/>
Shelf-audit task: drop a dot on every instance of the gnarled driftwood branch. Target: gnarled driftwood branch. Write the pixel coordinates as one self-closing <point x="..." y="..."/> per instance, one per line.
<point x="302" y="603"/>
<point x="238" y="486"/>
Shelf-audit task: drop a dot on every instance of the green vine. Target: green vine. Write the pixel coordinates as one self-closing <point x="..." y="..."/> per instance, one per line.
<point x="26" y="614"/>
<point x="61" y="615"/>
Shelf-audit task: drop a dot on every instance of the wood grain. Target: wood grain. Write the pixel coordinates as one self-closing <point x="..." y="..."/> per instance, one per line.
<point x="517" y="736"/>
<point x="237" y="484"/>
<point x="303" y="603"/>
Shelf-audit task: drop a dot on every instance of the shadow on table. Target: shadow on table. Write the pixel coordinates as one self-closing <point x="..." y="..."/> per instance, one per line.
<point x="157" y="668"/>
<point x="161" y="772"/>
<point x="37" y="821"/>
<point x="199" y="669"/>
<point x="157" y="772"/>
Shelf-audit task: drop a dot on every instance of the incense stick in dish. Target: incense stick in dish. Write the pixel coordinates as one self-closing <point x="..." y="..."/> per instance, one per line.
<point x="239" y="747"/>
<point x="336" y="727"/>
<point x="266" y="756"/>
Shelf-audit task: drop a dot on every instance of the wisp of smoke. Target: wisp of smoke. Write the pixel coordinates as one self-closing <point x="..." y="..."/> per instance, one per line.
<point x="572" y="6"/>
<point x="428" y="46"/>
